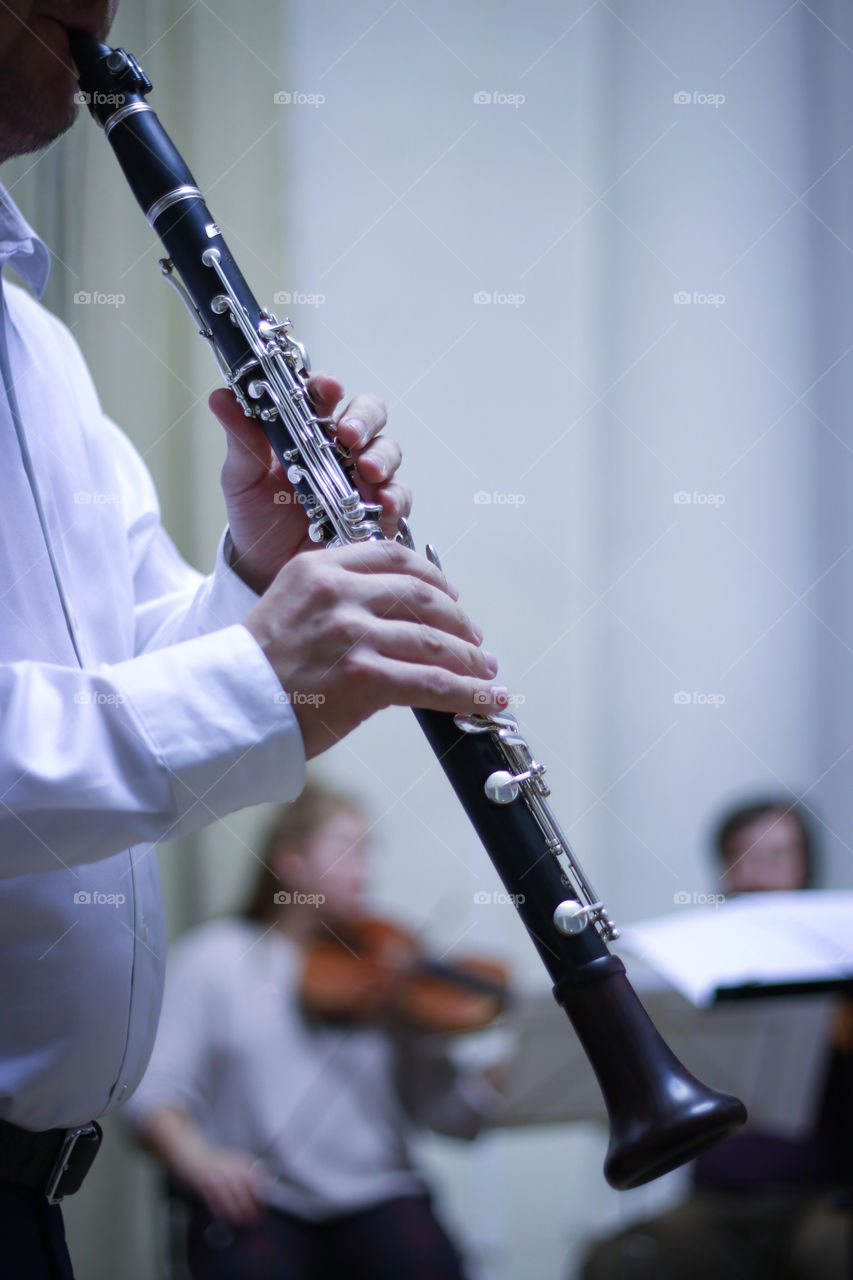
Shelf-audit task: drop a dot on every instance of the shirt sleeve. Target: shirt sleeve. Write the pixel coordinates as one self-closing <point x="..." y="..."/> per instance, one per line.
<point x="140" y="751"/>
<point x="172" y="601"/>
<point x="190" y="728"/>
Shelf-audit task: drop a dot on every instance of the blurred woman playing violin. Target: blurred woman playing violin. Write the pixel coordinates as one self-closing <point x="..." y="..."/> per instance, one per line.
<point x="291" y="1069"/>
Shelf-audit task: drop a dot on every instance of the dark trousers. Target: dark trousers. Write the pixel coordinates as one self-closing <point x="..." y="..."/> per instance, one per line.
<point x="32" y="1237"/>
<point x="399" y="1240"/>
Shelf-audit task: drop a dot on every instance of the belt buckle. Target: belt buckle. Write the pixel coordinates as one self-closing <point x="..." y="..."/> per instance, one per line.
<point x="58" y="1185"/>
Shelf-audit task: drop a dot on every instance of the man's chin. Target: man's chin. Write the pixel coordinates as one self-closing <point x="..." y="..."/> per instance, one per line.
<point x="22" y="133"/>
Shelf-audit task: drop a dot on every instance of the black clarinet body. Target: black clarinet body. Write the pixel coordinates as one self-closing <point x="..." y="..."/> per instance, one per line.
<point x="660" y="1115"/>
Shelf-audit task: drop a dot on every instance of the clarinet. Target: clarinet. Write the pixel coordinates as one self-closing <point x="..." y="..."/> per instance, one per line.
<point x="660" y="1115"/>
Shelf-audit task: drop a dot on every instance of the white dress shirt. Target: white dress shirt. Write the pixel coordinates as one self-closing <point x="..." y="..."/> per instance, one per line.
<point x="133" y="707"/>
<point x="328" y="1110"/>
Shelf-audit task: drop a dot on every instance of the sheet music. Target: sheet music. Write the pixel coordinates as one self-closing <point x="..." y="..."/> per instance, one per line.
<point x="769" y="938"/>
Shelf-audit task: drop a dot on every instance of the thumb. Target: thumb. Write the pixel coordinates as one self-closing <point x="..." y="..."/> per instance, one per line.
<point x="249" y="455"/>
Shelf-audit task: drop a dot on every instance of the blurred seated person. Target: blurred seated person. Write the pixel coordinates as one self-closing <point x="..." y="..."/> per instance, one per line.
<point x="761" y="1206"/>
<point x="288" y="1131"/>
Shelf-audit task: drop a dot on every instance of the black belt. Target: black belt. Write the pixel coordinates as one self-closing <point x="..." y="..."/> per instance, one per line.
<point x="55" y="1161"/>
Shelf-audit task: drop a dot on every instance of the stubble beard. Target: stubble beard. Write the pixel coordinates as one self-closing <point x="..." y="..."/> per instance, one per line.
<point x="27" y="122"/>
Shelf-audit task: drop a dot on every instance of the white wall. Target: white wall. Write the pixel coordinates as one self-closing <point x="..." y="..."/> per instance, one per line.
<point x="596" y="401"/>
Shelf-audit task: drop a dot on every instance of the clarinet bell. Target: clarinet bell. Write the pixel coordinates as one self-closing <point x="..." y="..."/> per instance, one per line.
<point x="660" y="1115"/>
<point x="653" y="1134"/>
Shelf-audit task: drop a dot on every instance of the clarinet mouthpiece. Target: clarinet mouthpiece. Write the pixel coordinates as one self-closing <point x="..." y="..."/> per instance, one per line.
<point x="86" y="51"/>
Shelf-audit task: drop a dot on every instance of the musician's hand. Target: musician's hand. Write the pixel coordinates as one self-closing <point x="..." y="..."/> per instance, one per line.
<point x="229" y="1183"/>
<point x="267" y="526"/>
<point x="364" y="627"/>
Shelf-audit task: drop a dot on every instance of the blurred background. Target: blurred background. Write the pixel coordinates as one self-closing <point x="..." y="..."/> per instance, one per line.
<point x="596" y="256"/>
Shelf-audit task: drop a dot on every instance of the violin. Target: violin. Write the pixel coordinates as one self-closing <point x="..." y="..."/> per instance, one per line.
<point x="373" y="969"/>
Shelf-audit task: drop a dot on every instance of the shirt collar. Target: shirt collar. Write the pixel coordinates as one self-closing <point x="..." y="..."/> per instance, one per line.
<point x="21" y="247"/>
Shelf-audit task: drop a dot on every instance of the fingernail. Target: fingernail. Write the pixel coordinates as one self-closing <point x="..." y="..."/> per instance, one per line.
<point x="355" y="424"/>
<point x="491" y="662"/>
<point x="500" y="695"/>
<point x="477" y="633"/>
<point x="452" y="589"/>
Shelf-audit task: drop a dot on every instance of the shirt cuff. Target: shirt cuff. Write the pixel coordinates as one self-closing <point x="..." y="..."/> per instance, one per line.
<point x="225" y="597"/>
<point x="219" y="723"/>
